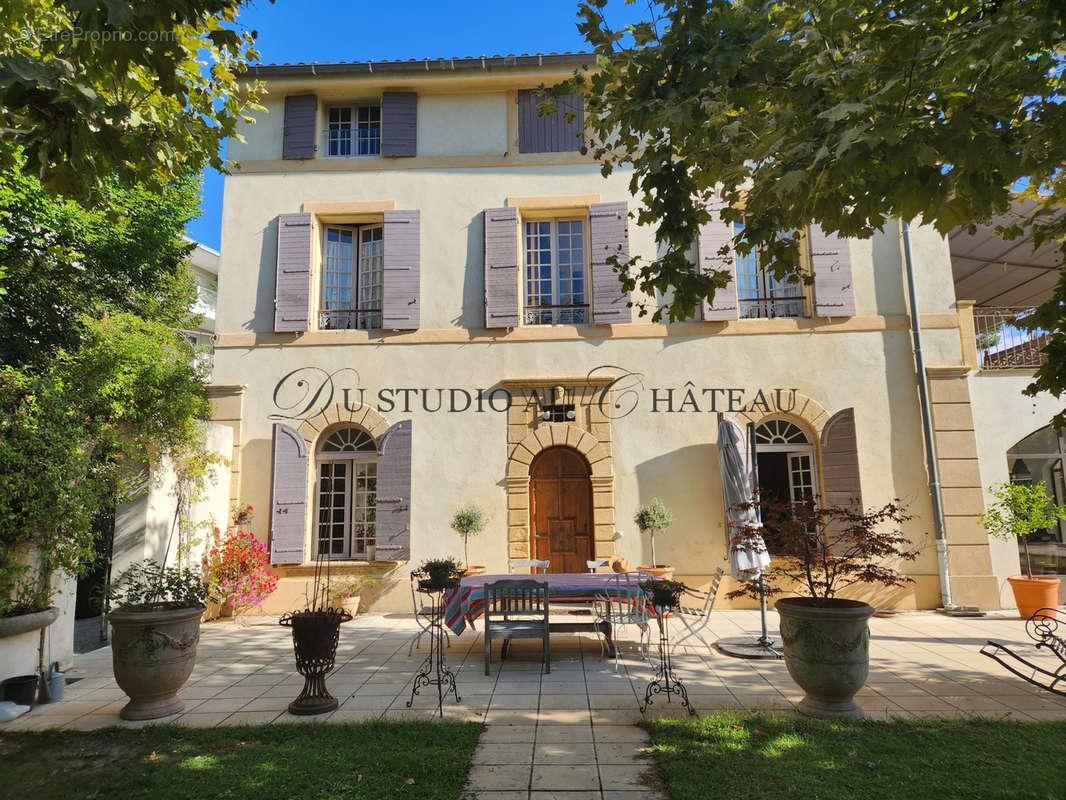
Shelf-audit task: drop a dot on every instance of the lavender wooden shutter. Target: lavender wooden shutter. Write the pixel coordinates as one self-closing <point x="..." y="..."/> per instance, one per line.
<point x="400" y="288"/>
<point x="608" y="236"/>
<point x="292" y="287"/>
<point x="840" y="461"/>
<point x="399" y="123"/>
<point x="501" y="268"/>
<point x="288" y="501"/>
<point x="831" y="264"/>
<point x="713" y="236"/>
<point x="394" y="494"/>
<point x="551" y="133"/>
<point x="298" y="136"/>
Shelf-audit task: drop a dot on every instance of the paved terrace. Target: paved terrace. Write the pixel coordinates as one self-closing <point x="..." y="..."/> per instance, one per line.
<point x="569" y="734"/>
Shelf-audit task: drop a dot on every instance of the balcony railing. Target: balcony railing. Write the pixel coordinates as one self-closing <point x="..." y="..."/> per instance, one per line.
<point x="350" y="318"/>
<point x="1002" y="343"/>
<point x="568" y="314"/>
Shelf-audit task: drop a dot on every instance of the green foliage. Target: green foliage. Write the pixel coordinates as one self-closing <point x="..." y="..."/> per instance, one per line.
<point x="847" y="113"/>
<point x="63" y="261"/>
<point x="761" y="756"/>
<point x="1020" y="510"/>
<point x="147" y="586"/>
<point x="441" y="568"/>
<point x="352" y="586"/>
<point x="145" y="92"/>
<point x="653" y="516"/>
<point x="469" y="520"/>
<point x="425" y="759"/>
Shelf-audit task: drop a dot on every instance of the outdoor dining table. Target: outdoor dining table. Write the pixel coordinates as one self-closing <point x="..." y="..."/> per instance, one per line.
<point x="467" y="602"/>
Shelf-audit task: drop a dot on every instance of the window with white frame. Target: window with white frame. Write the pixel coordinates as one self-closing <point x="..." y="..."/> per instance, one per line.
<point x="556" y="274"/>
<point x="760" y="294"/>
<point x="346" y="495"/>
<point x="352" y="276"/>
<point x="786" y="464"/>
<point x="354" y="130"/>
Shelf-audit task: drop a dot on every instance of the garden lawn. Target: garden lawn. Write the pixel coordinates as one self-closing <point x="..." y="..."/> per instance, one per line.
<point x="744" y="757"/>
<point x="313" y="761"/>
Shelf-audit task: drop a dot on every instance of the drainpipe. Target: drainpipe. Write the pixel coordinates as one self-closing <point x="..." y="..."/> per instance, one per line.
<point x="927" y="423"/>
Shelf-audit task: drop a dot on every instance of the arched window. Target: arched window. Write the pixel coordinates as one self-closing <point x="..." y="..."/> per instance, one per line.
<point x="1038" y="458"/>
<point x="787" y="465"/>
<point x="346" y="486"/>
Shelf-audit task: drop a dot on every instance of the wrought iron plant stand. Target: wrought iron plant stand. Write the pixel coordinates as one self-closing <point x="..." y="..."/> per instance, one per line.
<point x="434" y="670"/>
<point x="665" y="601"/>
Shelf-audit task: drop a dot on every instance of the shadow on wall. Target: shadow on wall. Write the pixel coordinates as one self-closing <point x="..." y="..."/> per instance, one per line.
<point x="889" y="291"/>
<point x="472" y="315"/>
<point x="688" y="482"/>
<point x="262" y="320"/>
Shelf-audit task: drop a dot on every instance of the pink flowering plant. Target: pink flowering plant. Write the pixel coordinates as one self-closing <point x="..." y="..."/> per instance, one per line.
<point x="242" y="515"/>
<point x="237" y="568"/>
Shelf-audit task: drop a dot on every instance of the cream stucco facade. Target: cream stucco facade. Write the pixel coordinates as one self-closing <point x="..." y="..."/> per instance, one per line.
<point x="466" y="162"/>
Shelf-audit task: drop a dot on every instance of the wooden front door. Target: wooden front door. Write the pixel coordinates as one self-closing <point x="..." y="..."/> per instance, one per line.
<point x="560" y="509"/>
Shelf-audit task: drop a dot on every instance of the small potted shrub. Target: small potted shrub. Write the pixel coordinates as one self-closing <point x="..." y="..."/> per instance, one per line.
<point x="440" y="573"/>
<point x="347" y="592"/>
<point x="155" y="622"/>
<point x="654" y="518"/>
<point x="662" y="592"/>
<point x="1020" y="510"/>
<point x="469" y="520"/>
<point x="821" y="551"/>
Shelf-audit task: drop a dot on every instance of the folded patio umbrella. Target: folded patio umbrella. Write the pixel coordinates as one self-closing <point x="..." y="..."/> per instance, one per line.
<point x="747" y="562"/>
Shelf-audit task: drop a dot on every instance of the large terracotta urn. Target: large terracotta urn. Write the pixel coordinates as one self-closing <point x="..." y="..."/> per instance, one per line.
<point x="1033" y="594"/>
<point x="153" y="654"/>
<point x="827" y="652"/>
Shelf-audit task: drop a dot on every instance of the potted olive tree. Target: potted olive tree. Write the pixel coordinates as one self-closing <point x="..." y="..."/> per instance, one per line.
<point x="1019" y="511"/>
<point x="653" y="518"/>
<point x="155" y="622"/>
<point x="469" y="520"/>
<point x="822" y="550"/>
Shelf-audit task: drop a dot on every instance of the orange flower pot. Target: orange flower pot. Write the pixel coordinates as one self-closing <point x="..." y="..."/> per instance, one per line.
<point x="1033" y="594"/>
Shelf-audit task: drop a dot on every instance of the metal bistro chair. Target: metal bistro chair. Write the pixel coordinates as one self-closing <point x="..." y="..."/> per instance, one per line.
<point x="516" y="609"/>
<point x="596" y="563"/>
<point x="424" y="614"/>
<point x="623" y="603"/>
<point x="532" y="564"/>
<point x="695" y="618"/>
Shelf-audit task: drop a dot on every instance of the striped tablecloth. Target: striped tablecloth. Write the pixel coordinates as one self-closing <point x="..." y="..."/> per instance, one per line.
<point x="467" y="602"/>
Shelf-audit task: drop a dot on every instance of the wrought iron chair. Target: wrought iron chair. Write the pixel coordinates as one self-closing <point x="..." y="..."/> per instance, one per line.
<point x="424" y="614"/>
<point x="596" y="563"/>
<point x="696" y="617"/>
<point x="516" y="609"/>
<point x="532" y="564"/>
<point x="623" y="603"/>
<point x="1043" y="628"/>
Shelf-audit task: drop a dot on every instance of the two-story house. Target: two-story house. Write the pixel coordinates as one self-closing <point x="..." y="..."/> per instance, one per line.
<point x="417" y="311"/>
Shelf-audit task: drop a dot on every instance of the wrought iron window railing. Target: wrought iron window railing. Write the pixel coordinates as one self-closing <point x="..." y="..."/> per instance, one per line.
<point x="769" y="307"/>
<point x="349" y="318"/>
<point x="1001" y="341"/>
<point x="568" y="314"/>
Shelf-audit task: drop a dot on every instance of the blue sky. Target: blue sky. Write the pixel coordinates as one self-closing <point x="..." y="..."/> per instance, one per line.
<point x="319" y="30"/>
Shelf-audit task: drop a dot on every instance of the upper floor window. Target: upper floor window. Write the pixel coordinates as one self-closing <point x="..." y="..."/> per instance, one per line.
<point x="760" y="294"/>
<point x="354" y="130"/>
<point x="556" y="276"/>
<point x="352" y="277"/>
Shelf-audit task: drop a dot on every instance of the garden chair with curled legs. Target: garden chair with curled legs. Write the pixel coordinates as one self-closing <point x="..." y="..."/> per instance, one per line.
<point x="424" y="614"/>
<point x="623" y="603"/>
<point x="1043" y="628"/>
<point x="695" y="615"/>
<point x="517" y="609"/>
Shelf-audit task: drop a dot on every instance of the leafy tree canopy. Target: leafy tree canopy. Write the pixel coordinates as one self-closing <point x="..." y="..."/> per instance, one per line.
<point x="63" y="260"/>
<point x="847" y="113"/>
<point x="142" y="91"/>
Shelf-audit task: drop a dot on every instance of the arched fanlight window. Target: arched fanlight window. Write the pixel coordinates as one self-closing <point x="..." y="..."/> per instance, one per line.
<point x="348" y="440"/>
<point x="780" y="431"/>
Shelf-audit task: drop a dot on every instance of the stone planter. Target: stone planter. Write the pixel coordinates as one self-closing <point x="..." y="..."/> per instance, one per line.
<point x="658" y="570"/>
<point x="827" y="652"/>
<point x="349" y="604"/>
<point x="12" y="626"/>
<point x="153" y="653"/>
<point x="1033" y="594"/>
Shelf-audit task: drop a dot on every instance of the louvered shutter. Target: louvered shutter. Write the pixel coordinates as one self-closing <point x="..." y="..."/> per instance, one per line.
<point x="298" y="135"/>
<point x="501" y="268"/>
<point x="713" y="236"/>
<point x="394" y="494"/>
<point x="608" y="236"/>
<point x="840" y="461"/>
<point x="400" y="285"/>
<point x="292" y="288"/>
<point x="288" y="500"/>
<point x="399" y="123"/>
<point x="831" y="264"/>
<point x="550" y="133"/>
